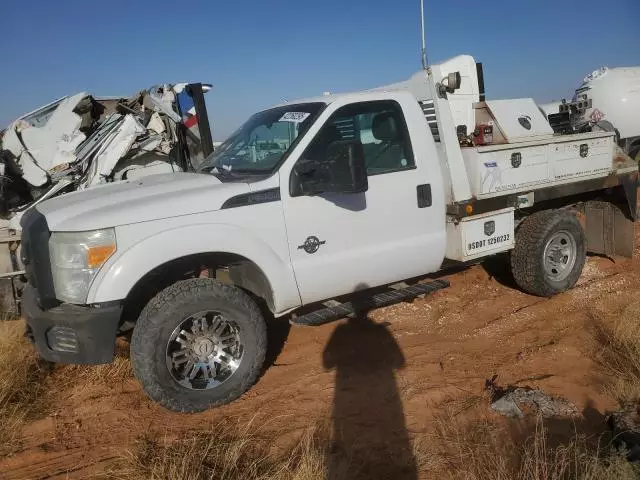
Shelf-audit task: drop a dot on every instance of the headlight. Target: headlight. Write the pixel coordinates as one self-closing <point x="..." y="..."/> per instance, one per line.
<point x="76" y="258"/>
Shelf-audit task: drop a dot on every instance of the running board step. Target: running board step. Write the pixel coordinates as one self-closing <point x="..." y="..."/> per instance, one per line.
<point x="330" y="314"/>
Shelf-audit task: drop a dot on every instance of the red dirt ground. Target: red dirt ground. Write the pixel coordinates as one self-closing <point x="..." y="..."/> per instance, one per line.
<point x="393" y="374"/>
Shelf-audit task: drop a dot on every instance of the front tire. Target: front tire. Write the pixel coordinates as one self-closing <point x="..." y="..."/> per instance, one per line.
<point x="549" y="254"/>
<point x="198" y="344"/>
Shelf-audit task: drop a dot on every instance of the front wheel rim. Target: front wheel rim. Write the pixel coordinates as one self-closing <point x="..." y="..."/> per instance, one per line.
<point x="560" y="254"/>
<point x="204" y="351"/>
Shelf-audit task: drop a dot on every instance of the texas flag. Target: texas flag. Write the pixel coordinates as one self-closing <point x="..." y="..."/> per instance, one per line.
<point x="188" y="109"/>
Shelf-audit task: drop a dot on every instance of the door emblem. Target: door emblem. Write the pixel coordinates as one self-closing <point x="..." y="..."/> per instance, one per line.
<point x="489" y="228"/>
<point x="584" y="150"/>
<point x="311" y="245"/>
<point x="516" y="159"/>
<point x="525" y="121"/>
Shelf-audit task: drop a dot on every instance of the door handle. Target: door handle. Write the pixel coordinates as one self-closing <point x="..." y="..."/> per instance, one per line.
<point x="424" y="195"/>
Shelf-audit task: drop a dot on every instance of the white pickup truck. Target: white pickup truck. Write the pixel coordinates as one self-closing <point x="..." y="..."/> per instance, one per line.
<point x="311" y="201"/>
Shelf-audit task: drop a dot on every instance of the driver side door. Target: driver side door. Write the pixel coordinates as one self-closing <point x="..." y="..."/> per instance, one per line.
<point x="343" y="242"/>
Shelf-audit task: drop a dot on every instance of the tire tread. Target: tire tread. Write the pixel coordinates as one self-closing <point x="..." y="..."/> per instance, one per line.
<point x="530" y="241"/>
<point x="142" y="350"/>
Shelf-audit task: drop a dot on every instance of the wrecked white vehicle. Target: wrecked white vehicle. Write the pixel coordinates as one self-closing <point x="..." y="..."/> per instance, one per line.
<point x="81" y="141"/>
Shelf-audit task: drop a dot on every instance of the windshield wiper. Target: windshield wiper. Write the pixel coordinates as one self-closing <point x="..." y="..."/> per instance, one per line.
<point x="223" y="174"/>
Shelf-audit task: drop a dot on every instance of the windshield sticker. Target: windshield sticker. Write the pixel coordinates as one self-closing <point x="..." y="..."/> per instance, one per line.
<point x="294" y="117"/>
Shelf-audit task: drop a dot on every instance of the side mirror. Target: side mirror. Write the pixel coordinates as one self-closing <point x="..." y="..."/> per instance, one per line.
<point x="342" y="170"/>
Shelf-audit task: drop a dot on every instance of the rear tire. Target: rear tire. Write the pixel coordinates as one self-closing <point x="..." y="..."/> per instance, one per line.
<point x="198" y="344"/>
<point x="549" y="254"/>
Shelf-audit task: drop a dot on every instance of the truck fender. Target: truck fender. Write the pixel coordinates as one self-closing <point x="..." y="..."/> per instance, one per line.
<point x="121" y="273"/>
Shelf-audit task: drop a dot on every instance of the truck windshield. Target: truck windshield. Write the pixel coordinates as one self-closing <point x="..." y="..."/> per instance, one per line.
<point x="263" y="141"/>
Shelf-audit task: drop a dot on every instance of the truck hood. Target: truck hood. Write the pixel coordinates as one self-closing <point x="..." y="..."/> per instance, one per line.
<point x="135" y="201"/>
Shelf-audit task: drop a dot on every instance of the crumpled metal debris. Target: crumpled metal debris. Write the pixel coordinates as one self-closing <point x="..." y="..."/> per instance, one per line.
<point x="80" y="141"/>
<point x="517" y="401"/>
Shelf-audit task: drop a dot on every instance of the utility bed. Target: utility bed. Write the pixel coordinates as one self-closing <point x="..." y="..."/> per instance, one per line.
<point x="499" y="169"/>
<point x="513" y="149"/>
<point x="513" y="174"/>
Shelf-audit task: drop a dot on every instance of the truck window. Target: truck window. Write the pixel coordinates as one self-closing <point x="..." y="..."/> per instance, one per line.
<point x="261" y="144"/>
<point x="380" y="127"/>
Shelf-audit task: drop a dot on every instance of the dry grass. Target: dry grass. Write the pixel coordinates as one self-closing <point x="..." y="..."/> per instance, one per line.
<point x="619" y="336"/>
<point x="485" y="449"/>
<point x="226" y="451"/>
<point x="21" y="384"/>
<point x="471" y="449"/>
<point x="88" y="377"/>
<point x="478" y="451"/>
<point x="623" y="354"/>
<point x="577" y="459"/>
<point x="8" y="308"/>
<point x="107" y="375"/>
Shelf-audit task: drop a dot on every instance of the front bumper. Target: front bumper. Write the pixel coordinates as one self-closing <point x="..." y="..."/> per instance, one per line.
<point x="71" y="333"/>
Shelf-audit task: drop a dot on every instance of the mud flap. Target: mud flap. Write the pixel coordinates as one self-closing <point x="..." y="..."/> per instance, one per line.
<point x="630" y="186"/>
<point x="608" y="230"/>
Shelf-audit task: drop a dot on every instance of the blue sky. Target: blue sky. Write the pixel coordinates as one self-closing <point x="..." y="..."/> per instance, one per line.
<point x="257" y="53"/>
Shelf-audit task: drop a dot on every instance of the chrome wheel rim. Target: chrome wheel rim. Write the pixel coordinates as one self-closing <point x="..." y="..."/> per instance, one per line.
<point x="560" y="254"/>
<point x="204" y="351"/>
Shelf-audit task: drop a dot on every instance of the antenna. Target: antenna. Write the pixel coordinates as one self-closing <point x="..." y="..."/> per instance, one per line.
<point x="424" y="37"/>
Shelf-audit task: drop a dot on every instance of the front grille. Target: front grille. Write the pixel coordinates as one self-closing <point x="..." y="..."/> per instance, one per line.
<point x="62" y="339"/>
